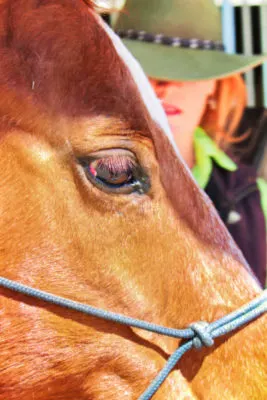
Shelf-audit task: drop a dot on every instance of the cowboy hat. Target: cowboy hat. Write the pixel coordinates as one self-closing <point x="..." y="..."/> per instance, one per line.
<point x="179" y="40"/>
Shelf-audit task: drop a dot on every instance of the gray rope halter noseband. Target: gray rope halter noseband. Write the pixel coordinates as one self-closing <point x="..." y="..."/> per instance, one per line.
<point x="197" y="335"/>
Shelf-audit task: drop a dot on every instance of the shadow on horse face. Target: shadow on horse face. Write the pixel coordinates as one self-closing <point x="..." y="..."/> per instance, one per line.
<point x="97" y="206"/>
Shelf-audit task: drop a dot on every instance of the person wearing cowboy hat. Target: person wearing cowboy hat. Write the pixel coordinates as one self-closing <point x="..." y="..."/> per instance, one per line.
<point x="179" y="45"/>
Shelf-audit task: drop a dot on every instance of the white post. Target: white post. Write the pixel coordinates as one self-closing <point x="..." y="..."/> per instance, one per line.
<point x="247" y="46"/>
<point x="228" y="27"/>
<point x="263" y="21"/>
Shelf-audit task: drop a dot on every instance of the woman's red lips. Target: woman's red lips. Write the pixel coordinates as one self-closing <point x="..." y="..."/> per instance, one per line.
<point x="171" y="110"/>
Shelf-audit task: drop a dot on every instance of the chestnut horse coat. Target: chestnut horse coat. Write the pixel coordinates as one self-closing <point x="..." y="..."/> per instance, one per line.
<point x="97" y="206"/>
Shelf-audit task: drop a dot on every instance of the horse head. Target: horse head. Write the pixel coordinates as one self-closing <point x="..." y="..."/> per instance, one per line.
<point x="96" y="205"/>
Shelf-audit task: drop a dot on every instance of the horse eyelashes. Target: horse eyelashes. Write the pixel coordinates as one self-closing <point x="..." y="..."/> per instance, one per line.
<point x="114" y="170"/>
<point x="116" y="165"/>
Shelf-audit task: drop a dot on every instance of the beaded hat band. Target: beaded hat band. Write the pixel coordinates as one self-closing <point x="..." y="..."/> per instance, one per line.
<point x="192" y="43"/>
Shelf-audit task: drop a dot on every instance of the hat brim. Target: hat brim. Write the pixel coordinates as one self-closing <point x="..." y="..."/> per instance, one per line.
<point x="180" y="64"/>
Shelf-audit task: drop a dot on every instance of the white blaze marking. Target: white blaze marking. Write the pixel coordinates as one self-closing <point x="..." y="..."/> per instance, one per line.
<point x="148" y="95"/>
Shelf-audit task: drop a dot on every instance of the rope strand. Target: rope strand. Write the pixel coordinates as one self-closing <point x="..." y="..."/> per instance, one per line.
<point x="198" y="335"/>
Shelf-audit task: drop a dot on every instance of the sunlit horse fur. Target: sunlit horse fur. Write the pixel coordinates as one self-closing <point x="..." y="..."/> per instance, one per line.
<point x="162" y="255"/>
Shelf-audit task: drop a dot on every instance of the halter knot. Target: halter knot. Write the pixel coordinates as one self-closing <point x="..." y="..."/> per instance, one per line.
<point x="202" y="335"/>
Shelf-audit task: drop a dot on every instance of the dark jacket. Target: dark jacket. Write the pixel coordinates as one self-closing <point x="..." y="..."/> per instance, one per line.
<point x="236" y="196"/>
<point x="234" y="189"/>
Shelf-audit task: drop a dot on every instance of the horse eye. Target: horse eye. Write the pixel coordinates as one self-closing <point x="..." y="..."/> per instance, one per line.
<point x="116" y="171"/>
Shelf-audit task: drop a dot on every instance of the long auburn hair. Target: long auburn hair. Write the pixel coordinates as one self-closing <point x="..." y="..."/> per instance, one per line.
<point x="221" y="120"/>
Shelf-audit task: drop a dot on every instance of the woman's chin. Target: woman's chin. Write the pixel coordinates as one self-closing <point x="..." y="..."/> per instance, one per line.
<point x="175" y="128"/>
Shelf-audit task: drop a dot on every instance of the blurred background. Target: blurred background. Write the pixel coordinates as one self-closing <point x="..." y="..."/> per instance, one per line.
<point x="244" y="32"/>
